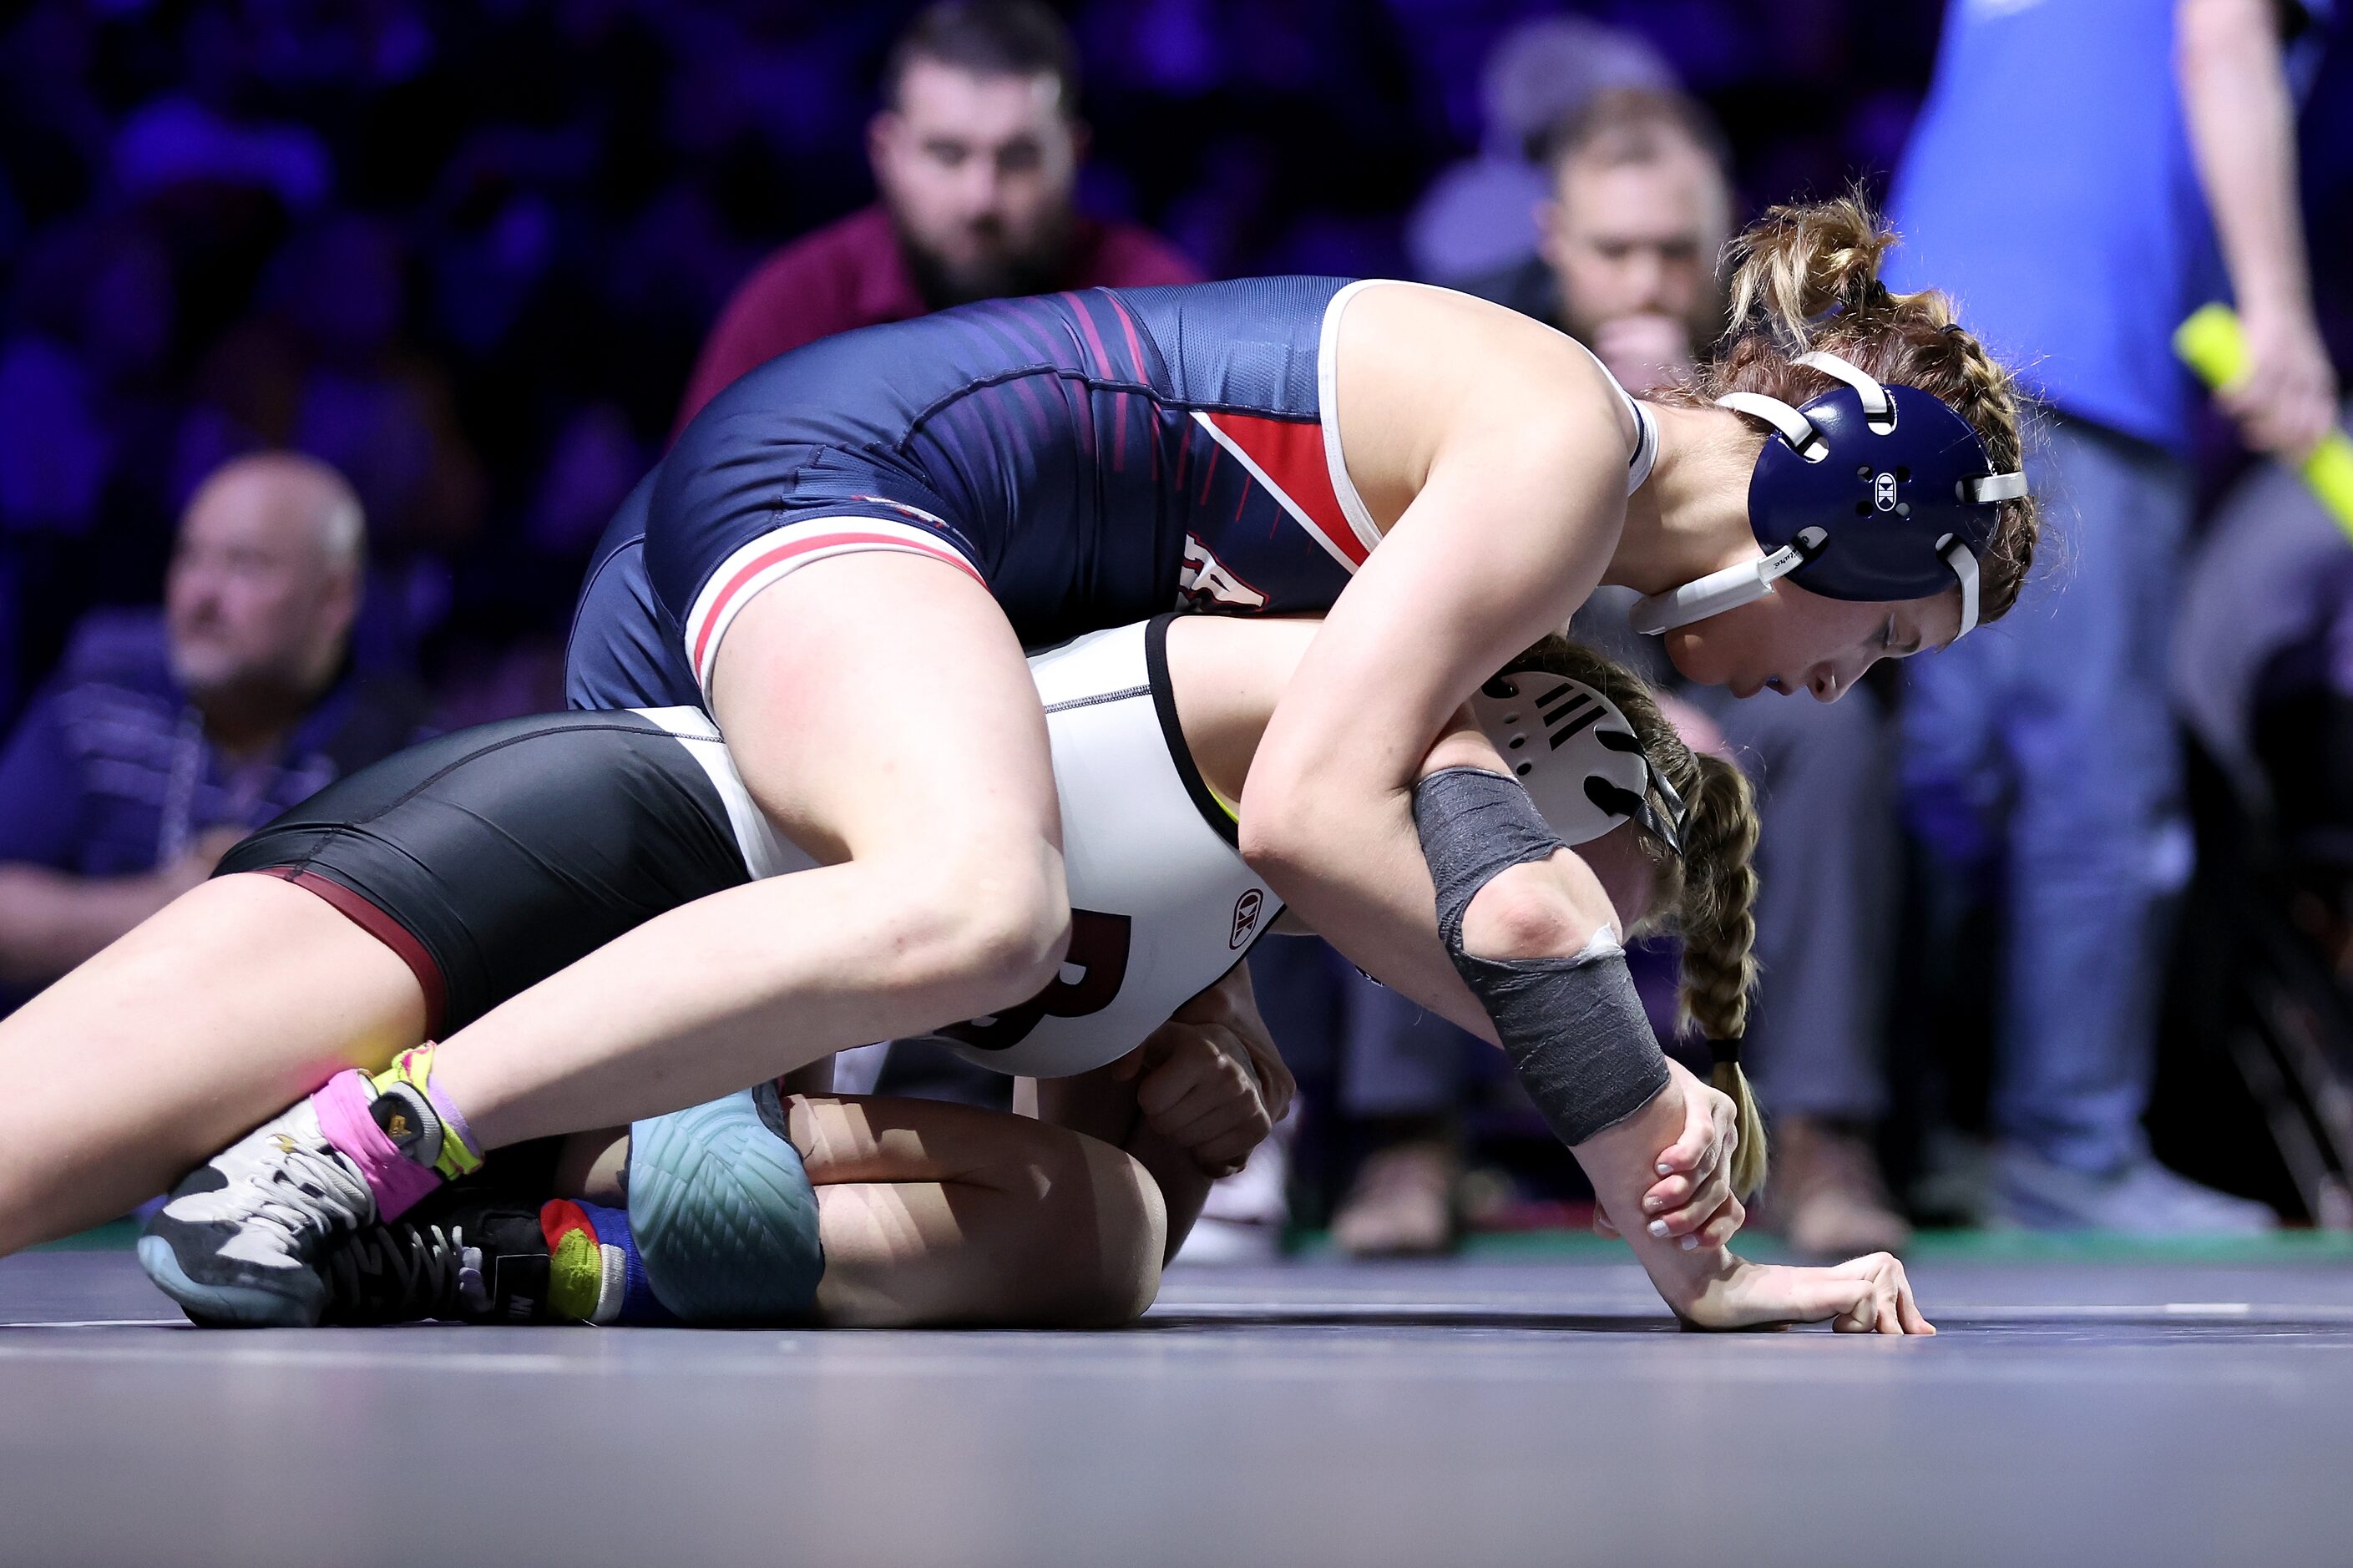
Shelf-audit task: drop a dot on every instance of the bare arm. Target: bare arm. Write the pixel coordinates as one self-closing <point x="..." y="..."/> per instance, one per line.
<point x="1508" y="531"/>
<point x="1551" y="908"/>
<point x="1705" y="1285"/>
<point x="1708" y="1287"/>
<point x="2234" y="95"/>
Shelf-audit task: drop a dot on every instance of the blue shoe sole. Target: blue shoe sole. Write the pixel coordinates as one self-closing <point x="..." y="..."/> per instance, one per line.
<point x="220" y="1306"/>
<point x="724" y="1215"/>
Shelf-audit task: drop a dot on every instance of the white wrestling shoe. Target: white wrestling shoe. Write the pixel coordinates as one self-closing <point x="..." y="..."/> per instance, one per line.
<point x="237" y="1244"/>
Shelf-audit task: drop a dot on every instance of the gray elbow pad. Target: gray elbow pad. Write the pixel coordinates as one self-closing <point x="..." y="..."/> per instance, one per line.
<point x="1573" y="1028"/>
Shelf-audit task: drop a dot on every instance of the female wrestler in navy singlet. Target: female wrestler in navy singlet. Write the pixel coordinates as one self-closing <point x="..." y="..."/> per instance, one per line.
<point x="1447" y="480"/>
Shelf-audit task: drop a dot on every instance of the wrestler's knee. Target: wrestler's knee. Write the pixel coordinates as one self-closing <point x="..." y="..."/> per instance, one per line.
<point x="1101" y="1229"/>
<point x="984" y="927"/>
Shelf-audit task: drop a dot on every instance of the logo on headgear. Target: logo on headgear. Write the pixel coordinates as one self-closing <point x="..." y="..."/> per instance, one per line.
<point x="1882" y="492"/>
<point x="1245" y="908"/>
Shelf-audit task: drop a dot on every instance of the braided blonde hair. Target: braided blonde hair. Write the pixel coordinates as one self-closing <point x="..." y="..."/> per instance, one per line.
<point x="1790" y="269"/>
<point x="1710" y="892"/>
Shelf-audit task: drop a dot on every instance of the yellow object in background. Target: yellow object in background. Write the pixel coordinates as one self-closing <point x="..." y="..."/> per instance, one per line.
<point x="2210" y="343"/>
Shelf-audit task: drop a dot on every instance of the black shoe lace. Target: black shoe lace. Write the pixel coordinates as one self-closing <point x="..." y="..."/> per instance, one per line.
<point x="396" y="1273"/>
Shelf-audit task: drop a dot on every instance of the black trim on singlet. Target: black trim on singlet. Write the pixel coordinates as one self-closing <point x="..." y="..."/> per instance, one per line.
<point x="1164" y="703"/>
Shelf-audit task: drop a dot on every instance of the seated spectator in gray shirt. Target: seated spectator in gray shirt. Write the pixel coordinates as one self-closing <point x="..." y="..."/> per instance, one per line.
<point x="163" y="739"/>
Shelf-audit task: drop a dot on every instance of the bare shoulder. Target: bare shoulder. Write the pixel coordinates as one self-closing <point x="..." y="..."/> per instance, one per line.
<point x="1426" y="373"/>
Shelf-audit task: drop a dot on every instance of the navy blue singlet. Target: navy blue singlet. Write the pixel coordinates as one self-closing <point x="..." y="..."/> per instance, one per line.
<point x="1092" y="458"/>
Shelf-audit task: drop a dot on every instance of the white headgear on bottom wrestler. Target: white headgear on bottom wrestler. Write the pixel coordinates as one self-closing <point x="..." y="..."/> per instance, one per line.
<point x="1577" y="755"/>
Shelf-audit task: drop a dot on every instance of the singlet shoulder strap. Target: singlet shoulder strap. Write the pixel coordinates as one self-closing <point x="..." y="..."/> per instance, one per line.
<point x="1646" y="427"/>
<point x="1646" y="443"/>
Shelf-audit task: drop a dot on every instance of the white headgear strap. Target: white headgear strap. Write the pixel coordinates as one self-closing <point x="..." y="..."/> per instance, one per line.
<point x="1721" y="591"/>
<point x="1578" y="758"/>
<point x="1878" y="408"/>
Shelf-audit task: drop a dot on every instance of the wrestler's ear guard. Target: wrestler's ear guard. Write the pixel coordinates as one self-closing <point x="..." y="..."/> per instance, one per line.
<point x="1867" y="493"/>
<point x="1576" y="756"/>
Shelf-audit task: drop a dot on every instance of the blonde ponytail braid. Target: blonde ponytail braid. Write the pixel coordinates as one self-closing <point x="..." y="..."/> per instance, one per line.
<point x="1719" y="931"/>
<point x="1798" y="260"/>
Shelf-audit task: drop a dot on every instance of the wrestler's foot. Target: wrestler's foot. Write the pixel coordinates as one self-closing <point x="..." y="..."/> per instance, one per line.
<point x="238" y="1243"/>
<point x="462" y="1257"/>
<point x="722" y="1210"/>
<point x="235" y="1245"/>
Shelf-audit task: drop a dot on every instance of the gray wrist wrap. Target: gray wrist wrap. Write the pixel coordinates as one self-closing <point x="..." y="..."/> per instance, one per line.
<point x="1573" y="1028"/>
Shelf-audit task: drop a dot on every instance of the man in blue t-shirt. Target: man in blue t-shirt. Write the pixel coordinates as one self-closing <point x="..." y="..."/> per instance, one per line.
<point x="2074" y="168"/>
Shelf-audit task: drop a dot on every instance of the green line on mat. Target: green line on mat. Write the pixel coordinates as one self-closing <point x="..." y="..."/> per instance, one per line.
<point x="2282" y="1247"/>
<point x="119" y="1235"/>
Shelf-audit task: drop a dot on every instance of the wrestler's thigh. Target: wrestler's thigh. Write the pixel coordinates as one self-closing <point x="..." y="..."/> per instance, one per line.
<point x="878" y="704"/>
<point x="943" y="1214"/>
<point x="235" y="1000"/>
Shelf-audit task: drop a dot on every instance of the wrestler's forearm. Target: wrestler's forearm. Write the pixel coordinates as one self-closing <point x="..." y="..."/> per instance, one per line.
<point x="1183" y="1187"/>
<point x="1620" y="1161"/>
<point x="1369" y="895"/>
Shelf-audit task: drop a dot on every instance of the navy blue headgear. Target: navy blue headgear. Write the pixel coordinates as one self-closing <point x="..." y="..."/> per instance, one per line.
<point x="1869" y="492"/>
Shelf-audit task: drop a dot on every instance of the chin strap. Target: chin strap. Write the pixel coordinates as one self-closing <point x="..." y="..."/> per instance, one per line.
<point x="1728" y="589"/>
<point x="1965" y="566"/>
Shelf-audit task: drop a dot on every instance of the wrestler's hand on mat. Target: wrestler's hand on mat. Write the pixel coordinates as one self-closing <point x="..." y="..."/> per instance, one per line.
<point x="1195" y="1087"/>
<point x="1693" y="1198"/>
<point x="1866" y="1296"/>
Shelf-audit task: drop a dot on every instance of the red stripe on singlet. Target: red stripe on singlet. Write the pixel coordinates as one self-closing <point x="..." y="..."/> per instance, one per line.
<point x="380" y="925"/>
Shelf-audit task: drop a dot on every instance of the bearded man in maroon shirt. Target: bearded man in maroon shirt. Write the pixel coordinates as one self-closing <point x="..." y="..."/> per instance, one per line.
<point x="976" y="153"/>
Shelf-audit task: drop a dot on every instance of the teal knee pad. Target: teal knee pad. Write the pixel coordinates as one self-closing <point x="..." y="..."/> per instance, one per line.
<point x="724" y="1213"/>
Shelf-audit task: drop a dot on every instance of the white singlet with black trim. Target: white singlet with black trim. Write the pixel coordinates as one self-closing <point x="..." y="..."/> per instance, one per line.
<point x="1162" y="903"/>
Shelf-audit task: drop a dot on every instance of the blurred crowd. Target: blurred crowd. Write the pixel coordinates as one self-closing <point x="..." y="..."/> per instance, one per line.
<point x="341" y="330"/>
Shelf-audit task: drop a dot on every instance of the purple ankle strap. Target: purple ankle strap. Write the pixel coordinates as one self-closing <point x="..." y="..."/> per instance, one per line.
<point x="453" y="1120"/>
<point x="398" y="1181"/>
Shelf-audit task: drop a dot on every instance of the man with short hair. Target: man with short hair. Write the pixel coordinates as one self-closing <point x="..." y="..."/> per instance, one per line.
<point x="164" y="739"/>
<point x="976" y="153"/>
<point x="1629" y="241"/>
<point x="1631" y="238"/>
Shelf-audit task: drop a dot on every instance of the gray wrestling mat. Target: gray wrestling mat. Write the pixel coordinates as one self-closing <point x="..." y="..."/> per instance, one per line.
<point x="2073" y="1412"/>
